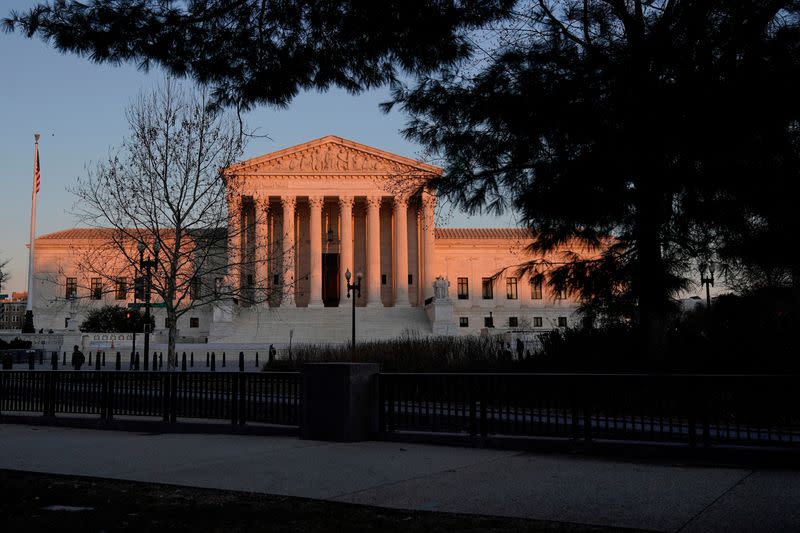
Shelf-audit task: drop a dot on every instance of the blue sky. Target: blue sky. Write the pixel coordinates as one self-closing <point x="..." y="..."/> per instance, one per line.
<point x="78" y="107"/>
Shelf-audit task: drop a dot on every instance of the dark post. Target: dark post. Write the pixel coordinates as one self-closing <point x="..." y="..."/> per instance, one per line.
<point x="97" y="361"/>
<point x="191" y="360"/>
<point x="256" y="359"/>
<point x="213" y="362"/>
<point x="118" y="362"/>
<point x="136" y="362"/>
<point x="90" y="358"/>
<point x="160" y="360"/>
<point x="64" y="362"/>
<point x="241" y="361"/>
<point x="155" y="361"/>
<point x="54" y="361"/>
<point x="207" y="360"/>
<point x="146" y="362"/>
<point x="183" y="362"/>
<point x="31" y="361"/>
<point x="104" y="358"/>
<point x="41" y="357"/>
<point x="223" y="359"/>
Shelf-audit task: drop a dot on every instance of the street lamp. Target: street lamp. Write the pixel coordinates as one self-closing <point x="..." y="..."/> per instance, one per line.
<point x="356" y="288"/>
<point x="145" y="266"/>
<point x="707" y="281"/>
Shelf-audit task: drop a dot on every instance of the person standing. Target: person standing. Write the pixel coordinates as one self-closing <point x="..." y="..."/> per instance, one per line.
<point x="77" y="358"/>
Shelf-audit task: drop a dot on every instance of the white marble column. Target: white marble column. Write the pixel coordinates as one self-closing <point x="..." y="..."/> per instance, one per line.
<point x="261" y="220"/>
<point x="428" y="276"/>
<point x="233" y="273"/>
<point x="346" y="257"/>
<point x="289" y="248"/>
<point x="401" y="251"/>
<point x="373" y="251"/>
<point x="315" y="204"/>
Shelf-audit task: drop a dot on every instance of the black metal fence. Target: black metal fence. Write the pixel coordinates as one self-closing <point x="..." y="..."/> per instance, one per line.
<point x="691" y="409"/>
<point x="261" y="397"/>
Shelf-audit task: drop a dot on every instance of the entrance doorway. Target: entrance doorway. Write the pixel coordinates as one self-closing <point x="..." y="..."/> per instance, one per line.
<point x="330" y="280"/>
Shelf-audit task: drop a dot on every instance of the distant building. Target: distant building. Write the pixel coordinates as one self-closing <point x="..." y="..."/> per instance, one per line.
<point x="12" y="311"/>
<point x="333" y="205"/>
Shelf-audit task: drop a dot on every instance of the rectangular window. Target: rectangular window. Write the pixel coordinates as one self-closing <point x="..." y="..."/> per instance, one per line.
<point x="536" y="289"/>
<point x="194" y="322"/>
<point x="97" y="289"/>
<point x="562" y="321"/>
<point x="463" y="321"/>
<point x="561" y="294"/>
<point x="411" y="279"/>
<point x="72" y="288"/>
<point x="249" y="280"/>
<point x="463" y="288"/>
<point x="121" y="289"/>
<point x="511" y="288"/>
<point x="486" y="288"/>
<point x="488" y="322"/>
<point x="537" y="321"/>
<point x="194" y="289"/>
<point x="513" y="322"/>
<point x="383" y="279"/>
<point x="276" y="280"/>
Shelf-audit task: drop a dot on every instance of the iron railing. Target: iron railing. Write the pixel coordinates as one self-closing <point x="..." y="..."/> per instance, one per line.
<point x="691" y="409"/>
<point x="261" y="397"/>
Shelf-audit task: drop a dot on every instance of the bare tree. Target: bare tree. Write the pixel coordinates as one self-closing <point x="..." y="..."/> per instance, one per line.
<point x="4" y="274"/>
<point x="163" y="194"/>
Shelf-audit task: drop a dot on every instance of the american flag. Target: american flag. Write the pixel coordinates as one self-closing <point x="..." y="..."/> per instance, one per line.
<point x="36" y="173"/>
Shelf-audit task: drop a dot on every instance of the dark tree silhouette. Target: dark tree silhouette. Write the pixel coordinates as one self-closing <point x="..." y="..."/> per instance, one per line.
<point x="663" y="125"/>
<point x="113" y="319"/>
<point x="263" y="51"/>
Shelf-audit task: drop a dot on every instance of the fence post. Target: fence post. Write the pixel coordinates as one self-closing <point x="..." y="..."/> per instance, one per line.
<point x="242" y="396"/>
<point x="165" y="397"/>
<point x="473" y="406"/>
<point x="484" y="422"/>
<point x="241" y="361"/>
<point x="118" y="362"/>
<point x="234" y="396"/>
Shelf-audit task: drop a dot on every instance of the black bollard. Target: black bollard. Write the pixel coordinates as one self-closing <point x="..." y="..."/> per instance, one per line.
<point x="223" y="359"/>
<point x="207" y="360"/>
<point x="90" y="358"/>
<point x="118" y="362"/>
<point x="104" y="358"/>
<point x="256" y="359"/>
<point x="146" y="362"/>
<point x="213" y="362"/>
<point x="183" y="362"/>
<point x="155" y="361"/>
<point x="97" y="361"/>
<point x="64" y="362"/>
<point x="241" y="361"/>
<point x="160" y="360"/>
<point x="191" y="360"/>
<point x="54" y="361"/>
<point x="41" y="357"/>
<point x="31" y="361"/>
<point x="136" y="363"/>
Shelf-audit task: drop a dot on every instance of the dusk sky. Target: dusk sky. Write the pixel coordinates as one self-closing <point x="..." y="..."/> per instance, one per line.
<point x="78" y="107"/>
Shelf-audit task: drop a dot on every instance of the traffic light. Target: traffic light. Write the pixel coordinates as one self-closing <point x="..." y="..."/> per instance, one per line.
<point x="138" y="288"/>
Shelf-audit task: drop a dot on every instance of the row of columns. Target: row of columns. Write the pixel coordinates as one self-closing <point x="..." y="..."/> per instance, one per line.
<point x="372" y="277"/>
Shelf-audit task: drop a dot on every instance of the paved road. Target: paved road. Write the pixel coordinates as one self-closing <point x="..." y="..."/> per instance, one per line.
<point x="549" y="487"/>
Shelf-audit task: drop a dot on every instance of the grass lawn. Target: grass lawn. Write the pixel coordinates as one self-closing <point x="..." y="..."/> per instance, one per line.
<point x="91" y="504"/>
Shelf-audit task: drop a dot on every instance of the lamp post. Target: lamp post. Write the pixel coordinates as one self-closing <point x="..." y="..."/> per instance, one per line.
<point x="145" y="265"/>
<point x="356" y="288"/>
<point x="707" y="281"/>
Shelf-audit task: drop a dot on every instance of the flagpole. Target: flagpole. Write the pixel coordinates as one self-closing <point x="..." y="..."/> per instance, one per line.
<point x="27" y="326"/>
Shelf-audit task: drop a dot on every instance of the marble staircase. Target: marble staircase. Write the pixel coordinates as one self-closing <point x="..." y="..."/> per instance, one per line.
<point x="323" y="325"/>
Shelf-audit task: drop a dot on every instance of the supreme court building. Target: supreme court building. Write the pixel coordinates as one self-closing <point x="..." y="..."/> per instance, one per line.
<point x="324" y="207"/>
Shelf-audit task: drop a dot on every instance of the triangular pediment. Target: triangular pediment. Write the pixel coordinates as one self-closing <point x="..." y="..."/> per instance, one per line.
<point x="333" y="155"/>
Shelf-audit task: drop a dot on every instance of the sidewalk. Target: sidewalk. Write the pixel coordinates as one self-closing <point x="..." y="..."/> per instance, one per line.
<point x="438" y="478"/>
